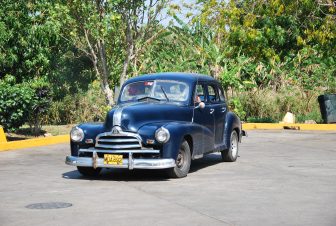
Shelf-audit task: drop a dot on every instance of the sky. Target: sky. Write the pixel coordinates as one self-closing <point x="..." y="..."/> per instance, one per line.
<point x="182" y="13"/>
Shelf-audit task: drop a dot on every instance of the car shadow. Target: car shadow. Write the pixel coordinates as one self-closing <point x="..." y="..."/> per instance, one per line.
<point x="120" y="175"/>
<point x="206" y="161"/>
<point x="143" y="175"/>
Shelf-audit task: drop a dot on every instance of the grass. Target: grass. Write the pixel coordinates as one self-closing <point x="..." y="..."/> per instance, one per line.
<point x="47" y="130"/>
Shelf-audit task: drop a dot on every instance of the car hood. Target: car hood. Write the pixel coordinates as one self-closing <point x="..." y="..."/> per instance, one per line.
<point x="131" y="117"/>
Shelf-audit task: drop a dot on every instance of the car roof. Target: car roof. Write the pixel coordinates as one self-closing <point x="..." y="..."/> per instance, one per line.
<point x="179" y="76"/>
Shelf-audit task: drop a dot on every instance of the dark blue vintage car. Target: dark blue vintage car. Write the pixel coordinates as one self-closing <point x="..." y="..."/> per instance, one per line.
<point x="161" y="121"/>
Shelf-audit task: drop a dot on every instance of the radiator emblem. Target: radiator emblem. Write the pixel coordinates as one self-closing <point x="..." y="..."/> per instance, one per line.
<point x="116" y="130"/>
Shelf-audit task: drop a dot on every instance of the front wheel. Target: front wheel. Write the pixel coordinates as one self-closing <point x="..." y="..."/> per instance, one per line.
<point x="183" y="162"/>
<point x="231" y="154"/>
<point x="89" y="171"/>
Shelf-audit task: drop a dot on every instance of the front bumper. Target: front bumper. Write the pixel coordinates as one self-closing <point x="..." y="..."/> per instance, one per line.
<point x="128" y="163"/>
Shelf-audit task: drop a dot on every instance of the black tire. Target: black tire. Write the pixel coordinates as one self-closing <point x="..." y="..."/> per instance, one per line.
<point x="231" y="154"/>
<point x="183" y="162"/>
<point x="89" y="171"/>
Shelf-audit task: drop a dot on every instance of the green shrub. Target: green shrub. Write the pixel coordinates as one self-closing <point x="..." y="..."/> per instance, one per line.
<point x="268" y="105"/>
<point x="259" y="104"/>
<point x="87" y="106"/>
<point x="236" y="106"/>
<point x="22" y="103"/>
<point x="260" y="120"/>
<point x="40" y="103"/>
<point x="314" y="115"/>
<point x="15" y="103"/>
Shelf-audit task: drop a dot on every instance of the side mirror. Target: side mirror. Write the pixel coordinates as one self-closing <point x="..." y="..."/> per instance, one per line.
<point x="200" y="105"/>
<point x="116" y="93"/>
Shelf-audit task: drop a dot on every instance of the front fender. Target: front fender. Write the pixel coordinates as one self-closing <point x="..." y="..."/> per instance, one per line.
<point x="232" y="122"/>
<point x="90" y="132"/>
<point x="178" y="131"/>
<point x="148" y="131"/>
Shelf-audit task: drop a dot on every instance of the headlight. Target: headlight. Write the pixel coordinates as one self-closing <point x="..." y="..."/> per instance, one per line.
<point x="162" y="135"/>
<point x="77" y="134"/>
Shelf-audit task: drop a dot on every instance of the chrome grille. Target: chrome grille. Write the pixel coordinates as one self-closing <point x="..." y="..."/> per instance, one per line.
<point x="121" y="141"/>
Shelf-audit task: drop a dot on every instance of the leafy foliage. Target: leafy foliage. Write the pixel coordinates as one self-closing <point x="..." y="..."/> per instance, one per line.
<point x="270" y="56"/>
<point x="15" y="102"/>
<point x="84" y="106"/>
<point x="28" y="39"/>
<point x="41" y="100"/>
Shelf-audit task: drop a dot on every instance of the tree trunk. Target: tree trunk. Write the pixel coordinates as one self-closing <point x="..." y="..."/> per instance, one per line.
<point x="127" y="60"/>
<point x="104" y="85"/>
<point x="129" y="53"/>
<point x="216" y="71"/>
<point x="102" y="72"/>
<point x="109" y="94"/>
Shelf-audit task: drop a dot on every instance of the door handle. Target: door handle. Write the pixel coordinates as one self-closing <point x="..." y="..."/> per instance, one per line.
<point x="223" y="109"/>
<point x="212" y="110"/>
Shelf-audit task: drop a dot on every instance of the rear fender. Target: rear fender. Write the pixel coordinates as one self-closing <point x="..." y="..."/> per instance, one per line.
<point x="232" y="122"/>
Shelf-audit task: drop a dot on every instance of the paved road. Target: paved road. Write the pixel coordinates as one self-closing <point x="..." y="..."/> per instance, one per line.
<point x="281" y="178"/>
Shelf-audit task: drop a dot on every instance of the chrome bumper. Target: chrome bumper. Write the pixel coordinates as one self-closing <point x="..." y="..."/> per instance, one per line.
<point x="128" y="163"/>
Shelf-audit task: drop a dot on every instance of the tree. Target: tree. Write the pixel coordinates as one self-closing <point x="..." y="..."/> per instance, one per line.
<point x="273" y="33"/>
<point x="142" y="21"/>
<point x="27" y="40"/>
<point x="90" y="26"/>
<point x="109" y="33"/>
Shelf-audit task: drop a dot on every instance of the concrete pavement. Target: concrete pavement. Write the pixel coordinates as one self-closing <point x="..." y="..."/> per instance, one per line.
<point x="281" y="178"/>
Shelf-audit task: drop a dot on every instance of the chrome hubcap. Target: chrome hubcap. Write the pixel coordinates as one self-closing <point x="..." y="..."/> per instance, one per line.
<point x="234" y="146"/>
<point x="180" y="160"/>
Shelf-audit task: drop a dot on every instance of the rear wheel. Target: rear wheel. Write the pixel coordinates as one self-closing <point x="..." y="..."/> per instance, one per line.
<point x="231" y="154"/>
<point x="183" y="162"/>
<point x="89" y="171"/>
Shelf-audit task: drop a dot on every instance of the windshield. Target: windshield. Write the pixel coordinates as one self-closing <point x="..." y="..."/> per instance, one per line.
<point x="159" y="90"/>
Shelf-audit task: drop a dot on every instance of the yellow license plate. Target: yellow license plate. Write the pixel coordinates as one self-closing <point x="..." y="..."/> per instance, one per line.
<point x="113" y="159"/>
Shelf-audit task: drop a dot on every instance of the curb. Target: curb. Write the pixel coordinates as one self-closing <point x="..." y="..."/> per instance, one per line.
<point x="13" y="145"/>
<point x="2" y="135"/>
<point x="279" y="126"/>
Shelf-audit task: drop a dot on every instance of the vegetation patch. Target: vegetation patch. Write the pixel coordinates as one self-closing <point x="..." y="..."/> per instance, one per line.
<point x="24" y="132"/>
<point x="60" y="61"/>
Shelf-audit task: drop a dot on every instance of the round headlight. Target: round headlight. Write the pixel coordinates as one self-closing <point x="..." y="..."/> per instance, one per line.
<point x="162" y="135"/>
<point x="77" y="134"/>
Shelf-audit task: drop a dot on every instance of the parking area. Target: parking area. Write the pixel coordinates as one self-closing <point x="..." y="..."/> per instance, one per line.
<point x="280" y="178"/>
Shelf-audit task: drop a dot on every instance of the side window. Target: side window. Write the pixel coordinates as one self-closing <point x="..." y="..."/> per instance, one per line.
<point x="213" y="94"/>
<point x="200" y="92"/>
<point x="221" y="95"/>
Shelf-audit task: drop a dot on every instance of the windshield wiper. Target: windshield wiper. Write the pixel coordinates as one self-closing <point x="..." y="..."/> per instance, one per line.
<point x="164" y="92"/>
<point x="148" y="98"/>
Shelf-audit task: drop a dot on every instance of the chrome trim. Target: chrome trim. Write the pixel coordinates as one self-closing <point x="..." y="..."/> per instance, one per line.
<point x="198" y="156"/>
<point x="118" y="146"/>
<point x="119" y="140"/>
<point x="144" y="151"/>
<point x="135" y="137"/>
<point x="117" y="116"/>
<point x="122" y="133"/>
<point x="130" y="161"/>
<point x="127" y="163"/>
<point x="94" y="159"/>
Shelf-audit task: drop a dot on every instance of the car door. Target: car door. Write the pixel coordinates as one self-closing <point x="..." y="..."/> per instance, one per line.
<point x="205" y="118"/>
<point x="218" y="110"/>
